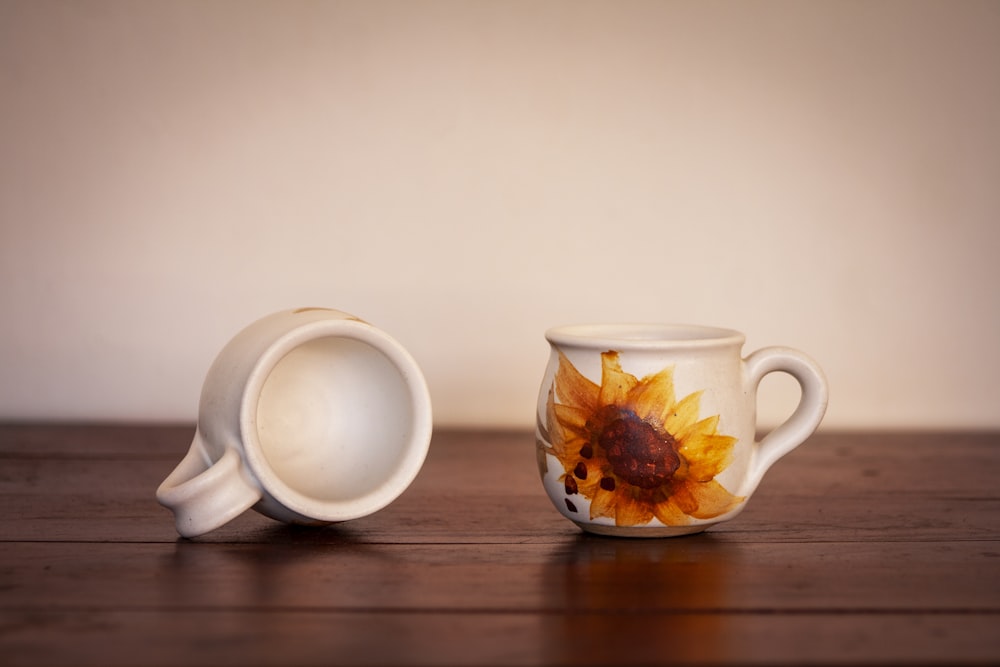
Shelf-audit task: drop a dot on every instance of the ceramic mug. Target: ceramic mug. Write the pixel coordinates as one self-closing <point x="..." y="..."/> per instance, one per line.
<point x="309" y="416"/>
<point x="649" y="430"/>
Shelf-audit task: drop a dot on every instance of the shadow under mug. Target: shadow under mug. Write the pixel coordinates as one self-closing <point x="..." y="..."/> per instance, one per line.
<point x="650" y="430"/>
<point x="309" y="416"/>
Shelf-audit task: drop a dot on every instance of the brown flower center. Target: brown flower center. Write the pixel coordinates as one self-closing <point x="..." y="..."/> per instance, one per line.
<point x="639" y="453"/>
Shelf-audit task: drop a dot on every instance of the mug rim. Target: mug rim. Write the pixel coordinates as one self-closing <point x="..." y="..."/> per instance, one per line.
<point x="415" y="451"/>
<point x="643" y="336"/>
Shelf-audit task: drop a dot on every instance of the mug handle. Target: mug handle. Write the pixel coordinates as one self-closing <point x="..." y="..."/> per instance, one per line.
<point x="807" y="415"/>
<point x="204" y="495"/>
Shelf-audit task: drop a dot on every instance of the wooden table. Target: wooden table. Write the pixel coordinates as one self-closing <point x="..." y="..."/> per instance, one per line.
<point x="857" y="548"/>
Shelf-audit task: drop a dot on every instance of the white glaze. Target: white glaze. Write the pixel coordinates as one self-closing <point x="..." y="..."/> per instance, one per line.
<point x="309" y="416"/>
<point x="703" y="359"/>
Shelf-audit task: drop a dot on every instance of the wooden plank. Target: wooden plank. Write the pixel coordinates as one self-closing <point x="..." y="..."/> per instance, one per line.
<point x="122" y="516"/>
<point x="98" y="440"/>
<point x="830" y="466"/>
<point x="857" y="451"/>
<point x="586" y="574"/>
<point x="90" y="499"/>
<point x="149" y="637"/>
<point x="866" y="548"/>
<point x="828" y="462"/>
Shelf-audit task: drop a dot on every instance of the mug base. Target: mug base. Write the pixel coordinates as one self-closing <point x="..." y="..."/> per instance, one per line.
<point x="640" y="531"/>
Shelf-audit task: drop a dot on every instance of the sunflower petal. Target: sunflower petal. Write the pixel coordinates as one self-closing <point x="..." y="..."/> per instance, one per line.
<point x="589" y="483"/>
<point x="555" y="434"/>
<point x="678" y="418"/>
<point x="653" y="396"/>
<point x="615" y="383"/>
<point x="711" y="499"/>
<point x="567" y="449"/>
<point x="542" y="426"/>
<point x="550" y="429"/>
<point x="572" y="419"/>
<point x="630" y="511"/>
<point x="683" y="498"/>
<point x="707" y="425"/>
<point x="573" y="388"/>
<point x="669" y="514"/>
<point x="707" y="454"/>
<point x="540" y="454"/>
<point x="603" y="504"/>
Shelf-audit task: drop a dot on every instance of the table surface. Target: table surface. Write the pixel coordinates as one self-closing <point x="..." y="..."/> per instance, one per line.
<point x="856" y="548"/>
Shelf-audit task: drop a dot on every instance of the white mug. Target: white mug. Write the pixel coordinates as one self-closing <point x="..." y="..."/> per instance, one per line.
<point x="309" y="416"/>
<point x="649" y="430"/>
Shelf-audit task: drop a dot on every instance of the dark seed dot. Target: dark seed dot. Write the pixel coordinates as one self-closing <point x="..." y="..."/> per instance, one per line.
<point x="587" y="451"/>
<point x="608" y="483"/>
<point x="570" y="506"/>
<point x="580" y="470"/>
<point x="570" y="486"/>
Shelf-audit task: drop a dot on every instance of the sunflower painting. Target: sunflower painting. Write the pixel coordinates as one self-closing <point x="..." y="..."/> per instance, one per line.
<point x="634" y="450"/>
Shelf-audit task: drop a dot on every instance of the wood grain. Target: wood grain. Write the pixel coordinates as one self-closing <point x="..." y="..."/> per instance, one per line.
<point x="857" y="548"/>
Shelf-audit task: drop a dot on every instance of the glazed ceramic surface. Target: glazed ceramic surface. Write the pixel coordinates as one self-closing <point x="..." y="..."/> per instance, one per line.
<point x="309" y="416"/>
<point x="649" y="430"/>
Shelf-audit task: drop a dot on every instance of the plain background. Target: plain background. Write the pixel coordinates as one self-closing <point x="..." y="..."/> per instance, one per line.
<point x="824" y="175"/>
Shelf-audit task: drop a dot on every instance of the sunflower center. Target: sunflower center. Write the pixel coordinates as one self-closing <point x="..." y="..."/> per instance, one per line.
<point x="639" y="453"/>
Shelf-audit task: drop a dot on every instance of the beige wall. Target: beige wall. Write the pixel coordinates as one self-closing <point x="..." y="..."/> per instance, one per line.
<point x="824" y="175"/>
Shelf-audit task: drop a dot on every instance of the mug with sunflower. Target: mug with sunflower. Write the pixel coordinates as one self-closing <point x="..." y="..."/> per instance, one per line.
<point x="649" y="430"/>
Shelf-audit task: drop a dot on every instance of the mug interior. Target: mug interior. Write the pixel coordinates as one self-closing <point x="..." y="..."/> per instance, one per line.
<point x="336" y="422"/>
<point x="625" y="336"/>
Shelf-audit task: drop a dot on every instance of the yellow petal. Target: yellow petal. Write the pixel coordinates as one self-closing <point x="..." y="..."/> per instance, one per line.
<point x="668" y="513"/>
<point x="653" y="396"/>
<point x="630" y="511"/>
<point x="589" y="484"/>
<point x="682" y="415"/>
<point x="566" y="441"/>
<point x="540" y="454"/>
<point x="603" y="504"/>
<point x="707" y="454"/>
<point x="568" y="449"/>
<point x="549" y="426"/>
<point x="555" y="434"/>
<point x="573" y="388"/>
<point x="711" y="499"/>
<point x="615" y="383"/>
<point x="683" y="499"/>
<point x="707" y="425"/>
<point x="572" y="418"/>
